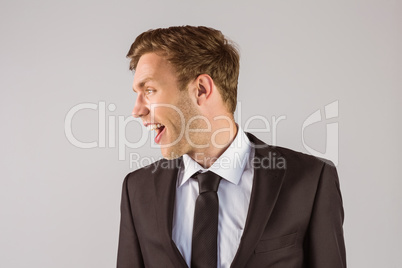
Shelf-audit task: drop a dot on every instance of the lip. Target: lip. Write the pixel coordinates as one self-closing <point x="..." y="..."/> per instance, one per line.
<point x="147" y="124"/>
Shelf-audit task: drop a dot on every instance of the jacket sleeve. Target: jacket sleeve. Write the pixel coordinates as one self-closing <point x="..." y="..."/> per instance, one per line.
<point x="324" y="243"/>
<point x="129" y="251"/>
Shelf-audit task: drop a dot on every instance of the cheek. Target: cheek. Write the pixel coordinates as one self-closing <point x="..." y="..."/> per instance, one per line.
<point x="173" y="116"/>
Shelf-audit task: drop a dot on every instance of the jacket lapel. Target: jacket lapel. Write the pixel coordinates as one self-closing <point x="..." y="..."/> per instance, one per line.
<point x="267" y="183"/>
<point x="165" y="178"/>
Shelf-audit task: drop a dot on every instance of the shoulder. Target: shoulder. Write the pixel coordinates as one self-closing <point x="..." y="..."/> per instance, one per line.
<point x="300" y="157"/>
<point x="295" y="162"/>
<point x="292" y="157"/>
<point x="145" y="175"/>
<point x="307" y="167"/>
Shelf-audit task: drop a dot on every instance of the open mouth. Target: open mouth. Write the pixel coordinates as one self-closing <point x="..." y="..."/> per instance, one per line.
<point x="159" y="128"/>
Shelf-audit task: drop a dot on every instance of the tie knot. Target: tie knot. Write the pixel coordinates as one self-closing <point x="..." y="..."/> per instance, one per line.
<point x="207" y="181"/>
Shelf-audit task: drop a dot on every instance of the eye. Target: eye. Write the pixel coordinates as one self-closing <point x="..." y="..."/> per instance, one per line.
<point x="149" y="91"/>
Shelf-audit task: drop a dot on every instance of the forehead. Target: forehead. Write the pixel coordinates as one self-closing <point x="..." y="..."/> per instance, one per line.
<point x="155" y="68"/>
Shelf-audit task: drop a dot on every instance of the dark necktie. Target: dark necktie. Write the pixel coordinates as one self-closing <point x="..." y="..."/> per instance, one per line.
<point x="204" y="250"/>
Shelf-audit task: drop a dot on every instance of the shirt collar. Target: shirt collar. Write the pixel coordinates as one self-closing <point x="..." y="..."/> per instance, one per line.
<point x="230" y="165"/>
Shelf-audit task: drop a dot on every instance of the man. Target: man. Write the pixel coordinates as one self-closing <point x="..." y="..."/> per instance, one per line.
<point x="221" y="197"/>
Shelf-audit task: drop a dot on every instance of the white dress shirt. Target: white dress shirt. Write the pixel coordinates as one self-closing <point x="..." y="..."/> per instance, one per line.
<point x="234" y="191"/>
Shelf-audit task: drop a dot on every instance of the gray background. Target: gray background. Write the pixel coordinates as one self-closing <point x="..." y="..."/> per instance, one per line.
<point x="59" y="204"/>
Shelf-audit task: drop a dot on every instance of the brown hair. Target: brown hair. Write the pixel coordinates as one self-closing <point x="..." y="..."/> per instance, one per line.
<point x="193" y="51"/>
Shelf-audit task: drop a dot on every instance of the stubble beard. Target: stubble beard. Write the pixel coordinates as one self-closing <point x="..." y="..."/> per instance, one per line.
<point x="183" y="146"/>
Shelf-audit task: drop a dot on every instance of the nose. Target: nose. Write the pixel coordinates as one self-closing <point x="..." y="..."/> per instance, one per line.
<point x="140" y="107"/>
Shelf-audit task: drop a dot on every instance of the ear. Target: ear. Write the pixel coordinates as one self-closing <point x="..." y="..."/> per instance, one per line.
<point x="205" y="87"/>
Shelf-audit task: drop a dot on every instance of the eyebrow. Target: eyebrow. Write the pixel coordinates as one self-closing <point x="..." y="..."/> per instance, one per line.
<point x="142" y="83"/>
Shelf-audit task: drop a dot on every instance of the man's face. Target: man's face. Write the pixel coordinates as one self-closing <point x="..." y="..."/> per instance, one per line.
<point x="161" y="105"/>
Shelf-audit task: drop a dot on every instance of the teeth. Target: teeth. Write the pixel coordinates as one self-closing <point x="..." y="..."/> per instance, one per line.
<point x="154" y="126"/>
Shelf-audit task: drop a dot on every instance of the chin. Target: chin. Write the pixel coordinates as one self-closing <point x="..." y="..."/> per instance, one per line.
<point x="175" y="151"/>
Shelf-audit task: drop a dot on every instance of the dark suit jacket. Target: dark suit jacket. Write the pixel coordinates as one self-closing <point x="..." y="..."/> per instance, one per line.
<point x="294" y="220"/>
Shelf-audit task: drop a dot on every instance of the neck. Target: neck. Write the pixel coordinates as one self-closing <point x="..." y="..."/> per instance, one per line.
<point x="220" y="138"/>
